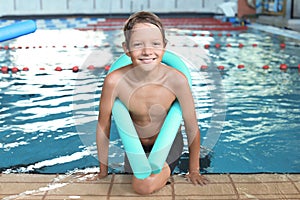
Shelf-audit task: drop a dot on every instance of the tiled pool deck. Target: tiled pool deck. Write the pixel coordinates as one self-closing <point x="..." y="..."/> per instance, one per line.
<point x="117" y="186"/>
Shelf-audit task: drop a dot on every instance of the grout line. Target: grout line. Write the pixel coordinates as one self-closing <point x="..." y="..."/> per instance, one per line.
<point x="173" y="187"/>
<point x="234" y="187"/>
<point x="110" y="187"/>
<point x="46" y="192"/>
<point x="293" y="183"/>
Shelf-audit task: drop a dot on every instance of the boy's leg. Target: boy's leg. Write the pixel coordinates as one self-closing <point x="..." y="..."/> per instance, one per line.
<point x="153" y="183"/>
<point x="157" y="181"/>
<point x="172" y="159"/>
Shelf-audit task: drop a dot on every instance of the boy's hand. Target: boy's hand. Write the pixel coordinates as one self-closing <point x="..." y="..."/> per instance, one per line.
<point x="197" y="178"/>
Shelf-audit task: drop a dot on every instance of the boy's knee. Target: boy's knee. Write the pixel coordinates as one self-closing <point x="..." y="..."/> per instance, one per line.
<point x="143" y="187"/>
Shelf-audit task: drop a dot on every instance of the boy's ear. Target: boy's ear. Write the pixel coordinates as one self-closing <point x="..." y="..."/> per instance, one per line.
<point x="126" y="50"/>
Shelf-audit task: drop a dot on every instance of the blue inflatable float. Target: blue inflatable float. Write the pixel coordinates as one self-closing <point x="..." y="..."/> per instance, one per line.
<point x="141" y="165"/>
<point x="17" y="29"/>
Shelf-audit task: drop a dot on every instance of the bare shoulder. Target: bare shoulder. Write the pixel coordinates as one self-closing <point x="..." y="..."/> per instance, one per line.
<point x="112" y="78"/>
<point x="174" y="76"/>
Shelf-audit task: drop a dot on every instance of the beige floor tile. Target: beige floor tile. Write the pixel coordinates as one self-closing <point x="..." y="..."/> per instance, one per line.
<point x="77" y="189"/>
<point x="122" y="178"/>
<point x="122" y="190"/>
<point x="23" y="197"/>
<point x="259" y="178"/>
<point x="142" y="198"/>
<point x="208" y="190"/>
<point x="218" y="178"/>
<point x="179" y="179"/>
<point x="126" y="190"/>
<point x="204" y="197"/>
<point x="294" y="177"/>
<point x="270" y="196"/>
<point x="74" y="197"/>
<point x="297" y="185"/>
<point x="213" y="178"/>
<point x="266" y="188"/>
<point x="81" y="178"/>
<point x="35" y="178"/>
<point x="22" y="189"/>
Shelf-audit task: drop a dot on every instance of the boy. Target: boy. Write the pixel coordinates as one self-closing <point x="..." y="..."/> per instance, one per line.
<point x="148" y="88"/>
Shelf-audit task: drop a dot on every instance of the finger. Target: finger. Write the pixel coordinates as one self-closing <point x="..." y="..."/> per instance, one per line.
<point x="195" y="180"/>
<point x="188" y="178"/>
<point x="200" y="182"/>
<point x="204" y="180"/>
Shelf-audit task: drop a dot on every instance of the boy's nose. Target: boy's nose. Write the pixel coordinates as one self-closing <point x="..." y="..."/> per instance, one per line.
<point x="147" y="50"/>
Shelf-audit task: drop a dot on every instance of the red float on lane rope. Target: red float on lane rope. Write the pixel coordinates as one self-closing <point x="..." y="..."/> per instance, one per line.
<point x="4" y="69"/>
<point x="107" y="67"/>
<point x="206" y="46"/>
<point x="58" y="69"/>
<point x="75" y="69"/>
<point x="266" y="67"/>
<point x="91" y="67"/>
<point x="221" y="67"/>
<point x="283" y="67"/>
<point x="203" y="67"/>
<point x="14" y="70"/>
<point x="217" y="45"/>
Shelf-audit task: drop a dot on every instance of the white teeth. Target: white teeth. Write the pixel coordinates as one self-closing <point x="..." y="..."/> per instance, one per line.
<point x="147" y="60"/>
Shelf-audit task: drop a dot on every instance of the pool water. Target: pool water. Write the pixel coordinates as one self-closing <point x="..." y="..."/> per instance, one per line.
<point x="249" y="117"/>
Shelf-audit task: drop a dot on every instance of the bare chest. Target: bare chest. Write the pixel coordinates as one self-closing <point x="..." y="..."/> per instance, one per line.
<point x="148" y="102"/>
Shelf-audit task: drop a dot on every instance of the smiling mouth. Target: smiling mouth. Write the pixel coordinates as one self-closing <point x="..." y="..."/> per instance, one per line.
<point x="147" y="60"/>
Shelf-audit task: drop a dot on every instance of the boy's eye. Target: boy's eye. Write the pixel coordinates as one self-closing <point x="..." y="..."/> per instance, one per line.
<point x="137" y="44"/>
<point x="156" y="44"/>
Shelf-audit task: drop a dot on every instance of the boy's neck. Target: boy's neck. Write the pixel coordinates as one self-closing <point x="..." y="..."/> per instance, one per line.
<point x="146" y="73"/>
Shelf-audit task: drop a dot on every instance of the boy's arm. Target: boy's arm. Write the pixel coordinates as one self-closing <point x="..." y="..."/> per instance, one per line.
<point x="186" y="100"/>
<point x="194" y="150"/>
<point x="104" y="122"/>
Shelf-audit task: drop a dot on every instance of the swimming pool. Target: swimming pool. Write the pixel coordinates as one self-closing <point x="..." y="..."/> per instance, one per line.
<point x="249" y="116"/>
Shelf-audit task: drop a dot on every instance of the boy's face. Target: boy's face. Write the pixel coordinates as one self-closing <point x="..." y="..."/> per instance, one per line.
<point x="146" y="46"/>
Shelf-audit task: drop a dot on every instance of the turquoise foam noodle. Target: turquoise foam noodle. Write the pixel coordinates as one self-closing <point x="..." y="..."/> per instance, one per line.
<point x="132" y="144"/>
<point x="142" y="166"/>
<point x="17" y="29"/>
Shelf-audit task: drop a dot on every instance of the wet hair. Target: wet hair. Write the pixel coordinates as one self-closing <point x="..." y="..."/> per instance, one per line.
<point x="142" y="17"/>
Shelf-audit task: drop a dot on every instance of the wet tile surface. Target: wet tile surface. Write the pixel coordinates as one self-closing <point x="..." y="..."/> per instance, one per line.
<point x="114" y="187"/>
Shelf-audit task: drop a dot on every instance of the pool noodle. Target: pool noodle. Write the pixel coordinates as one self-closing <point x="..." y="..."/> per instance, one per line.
<point x="17" y="29"/>
<point x="163" y="143"/>
<point x="141" y="166"/>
